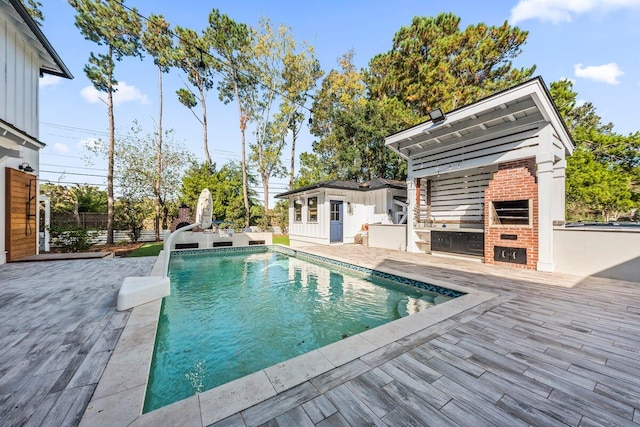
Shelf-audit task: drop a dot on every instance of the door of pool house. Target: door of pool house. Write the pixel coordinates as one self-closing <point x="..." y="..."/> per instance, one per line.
<point x="335" y="222"/>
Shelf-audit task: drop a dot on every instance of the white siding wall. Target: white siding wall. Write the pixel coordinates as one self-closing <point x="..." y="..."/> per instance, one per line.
<point x="305" y="231"/>
<point x="19" y="73"/>
<point x="364" y="207"/>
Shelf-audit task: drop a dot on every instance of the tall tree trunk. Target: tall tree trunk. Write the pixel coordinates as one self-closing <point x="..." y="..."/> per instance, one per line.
<point x="165" y="216"/>
<point x="293" y="158"/>
<point x="207" y="157"/>
<point x="265" y="187"/>
<point x="158" y="179"/>
<point x="245" y="190"/>
<point x="112" y="144"/>
<point x="243" y="128"/>
<point x="76" y="213"/>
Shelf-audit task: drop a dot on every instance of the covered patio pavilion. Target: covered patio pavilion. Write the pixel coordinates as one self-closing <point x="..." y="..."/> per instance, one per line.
<point x="487" y="180"/>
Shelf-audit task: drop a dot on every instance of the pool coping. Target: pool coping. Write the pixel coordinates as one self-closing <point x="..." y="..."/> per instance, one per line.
<point x="119" y="395"/>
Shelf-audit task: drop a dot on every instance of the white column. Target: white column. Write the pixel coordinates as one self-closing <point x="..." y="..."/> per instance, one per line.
<point x="411" y="219"/>
<point x="559" y="190"/>
<point x="546" y="200"/>
<point x="47" y="222"/>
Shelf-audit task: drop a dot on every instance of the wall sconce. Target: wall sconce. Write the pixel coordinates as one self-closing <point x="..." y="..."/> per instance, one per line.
<point x="436" y="116"/>
<point x="349" y="208"/>
<point x="26" y="167"/>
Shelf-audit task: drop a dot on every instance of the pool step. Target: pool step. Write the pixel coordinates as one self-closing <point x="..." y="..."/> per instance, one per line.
<point x="136" y="291"/>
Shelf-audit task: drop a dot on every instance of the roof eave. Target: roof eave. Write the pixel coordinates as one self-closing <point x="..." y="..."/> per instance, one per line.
<point x="534" y="87"/>
<point x="63" y="71"/>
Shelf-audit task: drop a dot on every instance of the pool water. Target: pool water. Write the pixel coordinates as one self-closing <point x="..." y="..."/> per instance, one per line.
<point x="232" y="315"/>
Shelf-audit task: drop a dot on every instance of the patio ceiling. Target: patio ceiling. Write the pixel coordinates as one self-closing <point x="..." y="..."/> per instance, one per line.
<point x="520" y="109"/>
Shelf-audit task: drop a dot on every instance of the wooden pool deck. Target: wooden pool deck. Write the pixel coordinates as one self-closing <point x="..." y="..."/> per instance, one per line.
<point x="548" y="349"/>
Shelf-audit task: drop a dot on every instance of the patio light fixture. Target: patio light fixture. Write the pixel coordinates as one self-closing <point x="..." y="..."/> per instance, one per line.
<point x="26" y="167"/>
<point x="436" y="116"/>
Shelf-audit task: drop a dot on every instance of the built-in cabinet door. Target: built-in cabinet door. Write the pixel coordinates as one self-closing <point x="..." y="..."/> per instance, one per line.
<point x="335" y="221"/>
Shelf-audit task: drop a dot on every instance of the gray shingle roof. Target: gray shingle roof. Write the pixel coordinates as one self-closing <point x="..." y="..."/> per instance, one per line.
<point x="374" y="184"/>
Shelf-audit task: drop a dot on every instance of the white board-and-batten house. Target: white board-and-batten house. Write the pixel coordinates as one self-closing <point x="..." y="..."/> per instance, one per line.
<point x="25" y="55"/>
<point x="336" y="211"/>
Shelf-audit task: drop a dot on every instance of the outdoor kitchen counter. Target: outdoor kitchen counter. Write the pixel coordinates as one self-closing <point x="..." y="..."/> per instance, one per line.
<point x="465" y="241"/>
<point x="452" y="229"/>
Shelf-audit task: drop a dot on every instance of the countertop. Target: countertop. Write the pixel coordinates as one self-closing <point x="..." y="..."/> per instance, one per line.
<point x="451" y="229"/>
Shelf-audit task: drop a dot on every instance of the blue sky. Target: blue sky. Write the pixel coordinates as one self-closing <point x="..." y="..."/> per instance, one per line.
<point x="592" y="42"/>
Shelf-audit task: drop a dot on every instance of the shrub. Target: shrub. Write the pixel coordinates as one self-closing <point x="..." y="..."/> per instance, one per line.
<point x="71" y="238"/>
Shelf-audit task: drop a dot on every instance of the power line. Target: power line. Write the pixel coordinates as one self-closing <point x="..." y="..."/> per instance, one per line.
<point x="73" y="173"/>
<point x="64" y="155"/>
<point x="72" y="167"/>
<point x="47" y="181"/>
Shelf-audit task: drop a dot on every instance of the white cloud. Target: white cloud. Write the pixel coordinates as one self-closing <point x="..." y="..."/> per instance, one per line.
<point x="557" y="11"/>
<point x="124" y="93"/>
<point x="48" y="80"/>
<point x="607" y="73"/>
<point x="60" y="148"/>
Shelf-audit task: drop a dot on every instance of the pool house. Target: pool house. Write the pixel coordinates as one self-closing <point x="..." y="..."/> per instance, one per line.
<point x="487" y="181"/>
<point x="337" y="211"/>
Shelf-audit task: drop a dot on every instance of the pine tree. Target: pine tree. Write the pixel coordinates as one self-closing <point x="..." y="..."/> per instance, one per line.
<point x="108" y="23"/>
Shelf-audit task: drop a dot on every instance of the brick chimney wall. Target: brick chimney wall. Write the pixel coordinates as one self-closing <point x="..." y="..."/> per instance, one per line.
<point x="513" y="181"/>
<point x="184" y="215"/>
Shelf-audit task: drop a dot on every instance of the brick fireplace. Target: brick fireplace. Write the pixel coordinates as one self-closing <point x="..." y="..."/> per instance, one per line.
<point x="511" y="215"/>
<point x="183" y="219"/>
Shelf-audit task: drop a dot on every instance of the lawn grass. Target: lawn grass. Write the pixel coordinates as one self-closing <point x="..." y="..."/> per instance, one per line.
<point x="148" y="249"/>
<point x="282" y="239"/>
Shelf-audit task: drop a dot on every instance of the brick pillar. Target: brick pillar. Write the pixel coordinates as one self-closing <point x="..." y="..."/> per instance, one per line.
<point x="513" y="181"/>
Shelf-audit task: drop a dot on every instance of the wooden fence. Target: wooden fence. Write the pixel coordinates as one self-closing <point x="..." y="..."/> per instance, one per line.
<point x="88" y="220"/>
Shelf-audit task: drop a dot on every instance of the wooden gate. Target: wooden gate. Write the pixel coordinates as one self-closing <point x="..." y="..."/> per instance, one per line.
<point x="21" y="230"/>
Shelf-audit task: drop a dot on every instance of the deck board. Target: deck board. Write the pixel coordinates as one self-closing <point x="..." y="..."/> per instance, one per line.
<point x="58" y="326"/>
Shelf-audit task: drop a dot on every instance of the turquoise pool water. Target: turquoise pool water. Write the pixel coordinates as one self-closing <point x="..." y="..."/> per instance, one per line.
<point x="231" y="314"/>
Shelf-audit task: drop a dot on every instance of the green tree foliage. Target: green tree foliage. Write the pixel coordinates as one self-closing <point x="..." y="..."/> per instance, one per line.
<point x="108" y="23"/>
<point x="435" y="64"/>
<point x="351" y="128"/>
<point x="225" y="185"/>
<point x="597" y="186"/>
<point x="578" y="118"/>
<point x="79" y="198"/>
<point x="301" y="71"/>
<point x="281" y="215"/>
<point x="312" y="171"/>
<point x="90" y="198"/>
<point x="192" y="56"/>
<point x="157" y="41"/>
<point x="34" y="7"/>
<point x="270" y="47"/>
<point x="130" y="215"/>
<point x="603" y="174"/>
<point x="231" y="42"/>
<point x="138" y="176"/>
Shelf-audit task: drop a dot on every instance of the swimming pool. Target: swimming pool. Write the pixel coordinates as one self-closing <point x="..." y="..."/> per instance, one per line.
<point x="233" y="312"/>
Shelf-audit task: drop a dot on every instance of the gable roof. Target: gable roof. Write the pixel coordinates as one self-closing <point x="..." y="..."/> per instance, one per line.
<point x="374" y="184"/>
<point x="50" y="61"/>
<point x="523" y="104"/>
